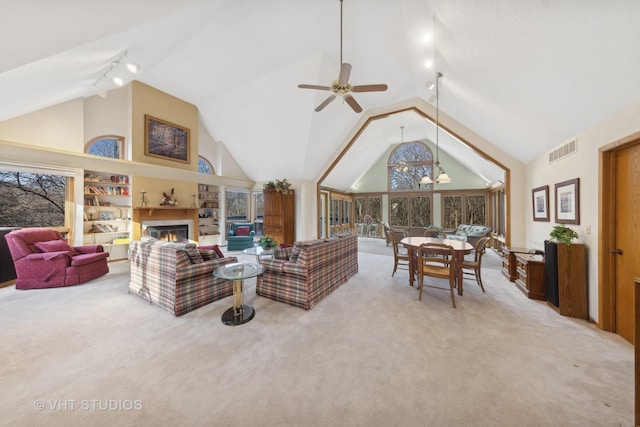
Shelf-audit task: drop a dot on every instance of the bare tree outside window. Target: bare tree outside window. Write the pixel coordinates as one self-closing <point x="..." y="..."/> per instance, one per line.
<point x="32" y="200"/>
<point x="106" y="146"/>
<point x="237" y="203"/>
<point x="408" y="164"/>
<point x="204" y="166"/>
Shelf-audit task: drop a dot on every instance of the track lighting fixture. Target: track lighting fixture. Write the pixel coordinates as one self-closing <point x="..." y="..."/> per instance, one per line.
<point x="112" y="73"/>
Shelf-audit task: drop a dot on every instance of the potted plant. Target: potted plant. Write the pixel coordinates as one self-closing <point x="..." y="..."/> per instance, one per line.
<point x="267" y="242"/>
<point x="563" y="234"/>
<point x="280" y="186"/>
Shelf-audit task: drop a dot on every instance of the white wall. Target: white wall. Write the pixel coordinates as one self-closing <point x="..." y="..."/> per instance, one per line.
<point x="584" y="164"/>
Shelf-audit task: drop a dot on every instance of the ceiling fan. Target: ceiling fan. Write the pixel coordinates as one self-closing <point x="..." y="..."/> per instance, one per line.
<point x="342" y="86"/>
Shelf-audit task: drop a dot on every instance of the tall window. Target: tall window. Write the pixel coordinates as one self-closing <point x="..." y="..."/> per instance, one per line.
<point x="367" y="205"/>
<point x="237" y="205"/>
<point x="32" y="199"/>
<point x="111" y="146"/>
<point x="204" y="166"/>
<point x="408" y="163"/>
<point x="259" y="204"/>
<point x="464" y="209"/>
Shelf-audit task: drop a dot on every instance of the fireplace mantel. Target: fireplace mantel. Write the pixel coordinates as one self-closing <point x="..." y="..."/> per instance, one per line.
<point x="150" y="211"/>
<point x="142" y="214"/>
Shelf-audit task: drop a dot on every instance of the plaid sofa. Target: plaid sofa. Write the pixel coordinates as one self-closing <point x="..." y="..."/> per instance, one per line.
<point x="310" y="270"/>
<point x="173" y="277"/>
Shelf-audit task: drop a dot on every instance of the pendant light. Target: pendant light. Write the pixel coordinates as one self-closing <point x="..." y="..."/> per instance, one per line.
<point x="442" y="178"/>
<point x="402" y="166"/>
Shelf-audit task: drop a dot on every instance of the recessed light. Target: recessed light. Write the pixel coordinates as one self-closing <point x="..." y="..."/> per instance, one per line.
<point x="426" y="37"/>
<point x="428" y="63"/>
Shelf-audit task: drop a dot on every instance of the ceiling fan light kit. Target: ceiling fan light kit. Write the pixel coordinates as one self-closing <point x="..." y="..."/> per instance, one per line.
<point x="342" y="86"/>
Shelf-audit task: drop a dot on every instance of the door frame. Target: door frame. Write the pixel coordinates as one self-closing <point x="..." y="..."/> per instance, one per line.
<point x="607" y="202"/>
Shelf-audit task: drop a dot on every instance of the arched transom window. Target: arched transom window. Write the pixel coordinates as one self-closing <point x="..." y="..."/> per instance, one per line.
<point x="111" y="146"/>
<point x="408" y="163"/>
<point x="204" y="166"/>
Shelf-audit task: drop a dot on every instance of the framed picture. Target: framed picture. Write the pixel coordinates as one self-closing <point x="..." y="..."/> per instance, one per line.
<point x="568" y="202"/>
<point x="166" y="140"/>
<point x="540" y="201"/>
<point x="106" y="216"/>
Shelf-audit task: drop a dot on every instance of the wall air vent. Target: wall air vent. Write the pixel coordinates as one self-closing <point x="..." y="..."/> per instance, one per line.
<point x="566" y="150"/>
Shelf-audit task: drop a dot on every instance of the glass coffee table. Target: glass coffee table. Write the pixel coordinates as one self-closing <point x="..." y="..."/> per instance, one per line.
<point x="238" y="272"/>
<point x="258" y="252"/>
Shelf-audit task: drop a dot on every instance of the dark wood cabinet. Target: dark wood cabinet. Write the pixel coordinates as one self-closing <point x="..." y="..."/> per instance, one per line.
<point x="279" y="215"/>
<point x="572" y="280"/>
<point x="530" y="281"/>
<point x="509" y="261"/>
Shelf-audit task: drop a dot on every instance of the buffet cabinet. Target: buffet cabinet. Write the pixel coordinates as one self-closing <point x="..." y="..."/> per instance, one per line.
<point x="508" y="254"/>
<point x="530" y="270"/>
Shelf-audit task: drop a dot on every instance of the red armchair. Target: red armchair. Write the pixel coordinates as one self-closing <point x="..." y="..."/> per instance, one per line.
<point x="43" y="259"/>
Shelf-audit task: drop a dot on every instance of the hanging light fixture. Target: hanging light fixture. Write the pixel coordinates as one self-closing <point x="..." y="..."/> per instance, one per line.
<point x="443" y="177"/>
<point x="402" y="166"/>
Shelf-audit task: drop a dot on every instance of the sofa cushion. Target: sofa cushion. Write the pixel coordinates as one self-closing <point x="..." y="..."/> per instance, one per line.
<point x="282" y="253"/>
<point x="193" y="253"/>
<point x="214" y="248"/>
<point x="54" y="246"/>
<point x="295" y="252"/>
<point x="243" y="231"/>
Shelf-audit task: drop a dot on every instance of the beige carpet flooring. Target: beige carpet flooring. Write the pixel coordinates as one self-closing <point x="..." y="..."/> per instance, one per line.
<point x="370" y="354"/>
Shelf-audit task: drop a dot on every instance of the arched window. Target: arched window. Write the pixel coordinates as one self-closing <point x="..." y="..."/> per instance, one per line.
<point x="408" y="164"/>
<point x="204" y="166"/>
<point x="111" y="146"/>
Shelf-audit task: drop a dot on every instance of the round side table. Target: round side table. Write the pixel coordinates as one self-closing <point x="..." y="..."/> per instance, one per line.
<point x="238" y="272"/>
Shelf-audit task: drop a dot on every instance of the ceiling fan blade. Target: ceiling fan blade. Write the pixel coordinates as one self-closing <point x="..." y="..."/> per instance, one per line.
<point x="314" y="87"/>
<point x="353" y="103"/>
<point x="369" y="88"/>
<point x="326" y="102"/>
<point x="345" y="72"/>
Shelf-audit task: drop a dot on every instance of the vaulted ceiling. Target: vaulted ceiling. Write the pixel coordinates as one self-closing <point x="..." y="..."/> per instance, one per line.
<point x="525" y="75"/>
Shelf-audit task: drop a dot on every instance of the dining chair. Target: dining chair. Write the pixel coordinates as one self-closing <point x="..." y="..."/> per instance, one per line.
<point x="431" y="263"/>
<point x="475" y="267"/>
<point x="400" y="254"/>
<point x="431" y="233"/>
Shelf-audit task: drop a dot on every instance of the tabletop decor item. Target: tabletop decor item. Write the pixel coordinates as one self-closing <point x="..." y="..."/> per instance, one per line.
<point x="267" y="242"/>
<point x="169" y="199"/>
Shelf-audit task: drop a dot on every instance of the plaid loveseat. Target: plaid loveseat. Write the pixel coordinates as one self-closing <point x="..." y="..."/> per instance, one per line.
<point x="173" y="277"/>
<point x="313" y="270"/>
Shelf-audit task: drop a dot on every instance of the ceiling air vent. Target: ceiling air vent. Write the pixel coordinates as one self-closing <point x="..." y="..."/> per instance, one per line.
<point x="564" y="151"/>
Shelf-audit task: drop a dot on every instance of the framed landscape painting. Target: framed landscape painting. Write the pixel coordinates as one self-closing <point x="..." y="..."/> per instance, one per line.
<point x="568" y="202"/>
<point x="166" y="140"/>
<point x="540" y="200"/>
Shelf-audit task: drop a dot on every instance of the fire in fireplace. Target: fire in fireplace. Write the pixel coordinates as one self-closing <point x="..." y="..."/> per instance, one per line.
<point x="172" y="233"/>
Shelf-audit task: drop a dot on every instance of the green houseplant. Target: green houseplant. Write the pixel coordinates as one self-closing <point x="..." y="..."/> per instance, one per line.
<point x="563" y="234"/>
<point x="278" y="185"/>
<point x="267" y="241"/>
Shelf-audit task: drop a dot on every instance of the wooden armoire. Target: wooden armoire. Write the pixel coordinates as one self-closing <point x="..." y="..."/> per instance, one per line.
<point x="279" y="215"/>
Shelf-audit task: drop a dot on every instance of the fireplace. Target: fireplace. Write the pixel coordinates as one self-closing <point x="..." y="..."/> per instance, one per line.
<point x="177" y="230"/>
<point x="172" y="233"/>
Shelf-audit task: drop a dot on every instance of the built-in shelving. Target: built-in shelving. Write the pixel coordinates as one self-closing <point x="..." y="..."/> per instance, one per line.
<point x="208" y="215"/>
<point x="107" y="213"/>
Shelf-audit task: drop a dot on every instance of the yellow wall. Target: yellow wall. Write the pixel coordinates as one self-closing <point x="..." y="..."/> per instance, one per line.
<point x="146" y="100"/>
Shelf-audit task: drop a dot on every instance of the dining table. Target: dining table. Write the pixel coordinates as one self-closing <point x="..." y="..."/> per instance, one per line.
<point x="461" y="248"/>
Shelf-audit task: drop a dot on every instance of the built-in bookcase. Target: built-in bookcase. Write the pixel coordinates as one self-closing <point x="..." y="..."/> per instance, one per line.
<point x="107" y="213"/>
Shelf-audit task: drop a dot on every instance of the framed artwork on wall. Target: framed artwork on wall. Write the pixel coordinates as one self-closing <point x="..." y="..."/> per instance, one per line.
<point x="540" y="202"/>
<point x="568" y="202"/>
<point x="166" y="140"/>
